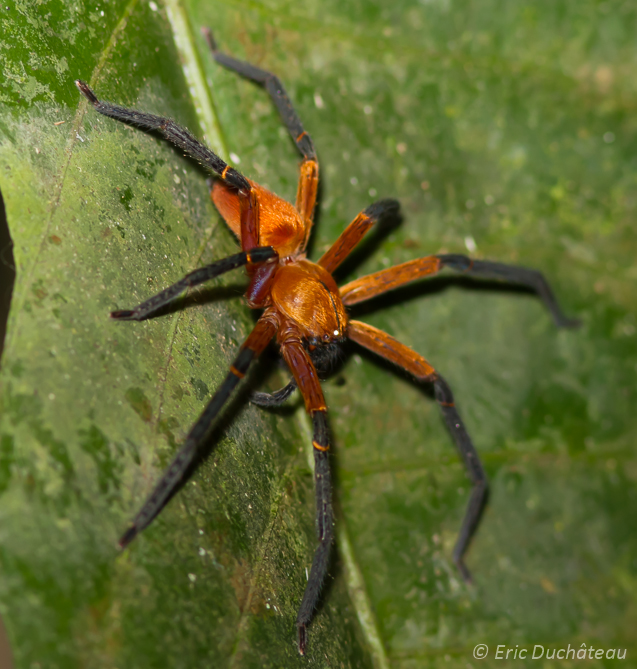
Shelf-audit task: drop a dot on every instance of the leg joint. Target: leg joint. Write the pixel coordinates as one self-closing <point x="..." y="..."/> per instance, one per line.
<point x="382" y="209"/>
<point x="455" y="261"/>
<point x="321" y="439"/>
<point x="242" y="362"/>
<point x="261" y="254"/>
<point x="444" y="396"/>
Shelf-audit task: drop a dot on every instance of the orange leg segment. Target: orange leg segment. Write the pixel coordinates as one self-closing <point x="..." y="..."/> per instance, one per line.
<point x="306" y="194"/>
<point x="304" y="372"/>
<point x="391" y="349"/>
<point x="355" y="231"/>
<point x="249" y="208"/>
<point x="380" y="282"/>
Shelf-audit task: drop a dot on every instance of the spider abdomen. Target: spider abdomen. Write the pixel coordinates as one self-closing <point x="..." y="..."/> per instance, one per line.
<point x="306" y="294"/>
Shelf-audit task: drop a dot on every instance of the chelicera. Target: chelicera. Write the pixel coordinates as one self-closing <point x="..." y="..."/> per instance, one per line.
<point x="306" y="311"/>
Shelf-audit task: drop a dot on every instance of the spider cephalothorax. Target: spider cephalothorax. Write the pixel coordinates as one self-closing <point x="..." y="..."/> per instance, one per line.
<point x="305" y="310"/>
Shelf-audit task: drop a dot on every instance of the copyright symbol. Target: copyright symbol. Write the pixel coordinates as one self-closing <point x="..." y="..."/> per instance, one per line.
<point x="481" y="651"/>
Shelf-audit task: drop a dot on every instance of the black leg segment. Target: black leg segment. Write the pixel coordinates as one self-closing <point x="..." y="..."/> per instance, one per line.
<point x="260" y="254"/>
<point x="174" y="133"/>
<point x="274" y="399"/>
<point x="474" y="469"/>
<point x="182" y="464"/>
<point x="517" y="275"/>
<point x="276" y="90"/>
<point x="324" y="526"/>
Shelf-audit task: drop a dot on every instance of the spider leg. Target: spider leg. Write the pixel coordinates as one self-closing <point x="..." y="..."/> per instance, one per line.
<point x="182" y="465"/>
<point x="531" y="278"/>
<point x="380" y="282"/>
<point x="308" y="382"/>
<point x="324" y="526"/>
<point x="273" y="399"/>
<point x="174" y="133"/>
<point x="355" y="231"/>
<point x="276" y="90"/>
<point x="262" y="254"/>
<point x="308" y="180"/>
<point x="183" y="139"/>
<point x="391" y="349"/>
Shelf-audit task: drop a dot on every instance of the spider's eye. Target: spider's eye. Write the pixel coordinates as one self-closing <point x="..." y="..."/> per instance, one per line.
<point x="326" y="337"/>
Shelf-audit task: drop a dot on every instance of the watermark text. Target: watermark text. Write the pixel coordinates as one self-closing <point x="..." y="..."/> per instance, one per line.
<point x="539" y="652"/>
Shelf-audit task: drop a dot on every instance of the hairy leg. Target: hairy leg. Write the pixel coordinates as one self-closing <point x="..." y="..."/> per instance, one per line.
<point x="306" y="379"/>
<point x="182" y="464"/>
<point x="308" y="179"/>
<point x="391" y="349"/>
<point x="145" y="309"/>
<point x="378" y="283"/>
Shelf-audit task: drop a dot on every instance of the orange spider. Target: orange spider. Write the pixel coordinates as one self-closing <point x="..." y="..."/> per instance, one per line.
<point x="305" y="310"/>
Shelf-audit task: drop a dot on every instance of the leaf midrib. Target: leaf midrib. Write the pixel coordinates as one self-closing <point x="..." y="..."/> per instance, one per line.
<point x="183" y="36"/>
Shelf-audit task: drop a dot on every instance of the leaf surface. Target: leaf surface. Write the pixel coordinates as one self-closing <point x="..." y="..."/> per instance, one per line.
<point x="503" y="129"/>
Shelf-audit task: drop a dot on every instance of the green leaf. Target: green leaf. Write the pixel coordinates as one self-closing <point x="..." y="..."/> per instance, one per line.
<point x="504" y="129"/>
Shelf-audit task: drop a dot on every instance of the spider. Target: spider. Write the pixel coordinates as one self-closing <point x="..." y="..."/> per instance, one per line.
<point x="306" y="312"/>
